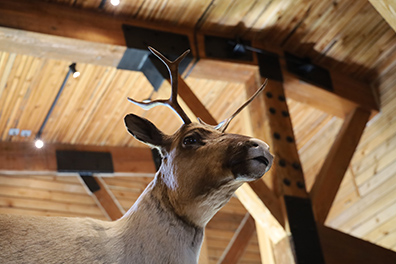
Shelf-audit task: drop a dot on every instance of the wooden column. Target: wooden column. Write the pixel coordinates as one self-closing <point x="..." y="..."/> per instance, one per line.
<point x="272" y="118"/>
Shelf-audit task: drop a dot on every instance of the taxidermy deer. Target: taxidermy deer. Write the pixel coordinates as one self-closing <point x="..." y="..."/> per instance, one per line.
<point x="201" y="168"/>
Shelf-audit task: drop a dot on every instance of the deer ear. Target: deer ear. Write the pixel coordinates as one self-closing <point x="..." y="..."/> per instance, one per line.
<point x="144" y="131"/>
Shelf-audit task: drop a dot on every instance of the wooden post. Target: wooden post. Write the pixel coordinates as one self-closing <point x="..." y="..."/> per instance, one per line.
<point x="276" y="129"/>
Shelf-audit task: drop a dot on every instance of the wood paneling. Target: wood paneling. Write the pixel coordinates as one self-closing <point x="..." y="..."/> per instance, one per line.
<point x="47" y="196"/>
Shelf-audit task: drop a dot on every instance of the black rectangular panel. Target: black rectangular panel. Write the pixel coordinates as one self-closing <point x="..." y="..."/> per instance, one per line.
<point x="308" y="72"/>
<point x="84" y="161"/>
<point x="269" y="66"/>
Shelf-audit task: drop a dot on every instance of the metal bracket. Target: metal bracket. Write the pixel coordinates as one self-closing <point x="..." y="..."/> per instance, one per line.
<point x="138" y="58"/>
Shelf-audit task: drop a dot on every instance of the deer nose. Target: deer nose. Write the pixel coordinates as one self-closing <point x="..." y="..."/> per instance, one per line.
<point x="256" y="143"/>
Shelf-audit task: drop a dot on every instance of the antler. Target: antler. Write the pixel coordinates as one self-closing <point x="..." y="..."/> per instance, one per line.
<point x="172" y="67"/>
<point x="222" y="126"/>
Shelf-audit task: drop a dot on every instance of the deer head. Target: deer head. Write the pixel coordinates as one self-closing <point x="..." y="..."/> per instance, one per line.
<point x="202" y="166"/>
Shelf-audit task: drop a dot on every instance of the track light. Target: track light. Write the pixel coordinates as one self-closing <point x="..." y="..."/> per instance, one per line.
<point x="74" y="71"/>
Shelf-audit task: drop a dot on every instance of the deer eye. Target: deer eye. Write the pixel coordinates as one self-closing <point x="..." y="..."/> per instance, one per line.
<point x="189" y="140"/>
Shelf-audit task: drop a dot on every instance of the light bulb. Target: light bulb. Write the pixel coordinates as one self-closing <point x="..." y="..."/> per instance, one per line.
<point x="115" y="2"/>
<point x="76" y="74"/>
<point x="39" y="143"/>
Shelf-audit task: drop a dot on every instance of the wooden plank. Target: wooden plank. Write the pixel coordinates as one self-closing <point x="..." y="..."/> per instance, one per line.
<point x="333" y="170"/>
<point x="238" y="244"/>
<point x="25" y="157"/>
<point x="387" y="9"/>
<point x="340" y="248"/>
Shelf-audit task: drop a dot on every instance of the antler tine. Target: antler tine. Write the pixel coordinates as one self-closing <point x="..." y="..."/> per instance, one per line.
<point x="173" y="69"/>
<point x="222" y="126"/>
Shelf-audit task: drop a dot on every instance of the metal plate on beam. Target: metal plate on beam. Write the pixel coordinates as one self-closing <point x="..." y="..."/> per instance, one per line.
<point x="302" y="224"/>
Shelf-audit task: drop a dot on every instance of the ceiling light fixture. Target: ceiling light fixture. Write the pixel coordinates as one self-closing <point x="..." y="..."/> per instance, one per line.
<point x="39" y="143"/>
<point x="72" y="68"/>
<point x="115" y="2"/>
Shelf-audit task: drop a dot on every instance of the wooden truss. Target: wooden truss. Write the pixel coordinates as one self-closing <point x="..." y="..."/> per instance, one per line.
<point x="272" y="211"/>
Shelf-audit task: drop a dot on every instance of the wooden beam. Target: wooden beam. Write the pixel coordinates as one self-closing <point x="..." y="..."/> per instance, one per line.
<point x="107" y="201"/>
<point x="59" y="48"/>
<point x="340" y="248"/>
<point x="222" y="71"/>
<point x="70" y="22"/>
<point x="336" y="163"/>
<point x="19" y="157"/>
<point x="387" y="9"/>
<point x="339" y="102"/>
<point x="194" y="103"/>
<point x="270" y="200"/>
<point x="256" y="207"/>
<point x="239" y="242"/>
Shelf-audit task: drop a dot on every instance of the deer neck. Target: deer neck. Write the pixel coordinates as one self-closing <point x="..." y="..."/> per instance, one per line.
<point x="154" y="206"/>
<point x="194" y="204"/>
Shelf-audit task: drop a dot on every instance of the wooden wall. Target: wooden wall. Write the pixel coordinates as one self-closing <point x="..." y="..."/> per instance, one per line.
<point x="45" y="195"/>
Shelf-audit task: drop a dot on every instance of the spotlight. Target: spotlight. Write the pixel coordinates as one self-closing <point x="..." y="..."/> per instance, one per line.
<point x="115" y="2"/>
<point x="72" y="68"/>
<point x="39" y="143"/>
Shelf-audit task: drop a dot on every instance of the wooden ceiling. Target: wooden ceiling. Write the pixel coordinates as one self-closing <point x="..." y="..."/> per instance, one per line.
<point x="350" y="37"/>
